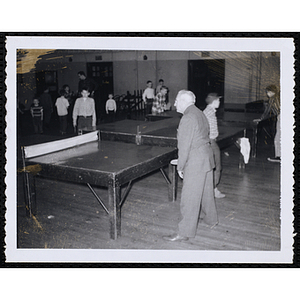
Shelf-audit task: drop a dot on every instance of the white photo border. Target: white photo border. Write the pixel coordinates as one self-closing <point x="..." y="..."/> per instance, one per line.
<point x="283" y="45"/>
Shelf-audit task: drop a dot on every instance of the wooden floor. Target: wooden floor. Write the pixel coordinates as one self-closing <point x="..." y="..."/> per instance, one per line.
<point x="69" y="217"/>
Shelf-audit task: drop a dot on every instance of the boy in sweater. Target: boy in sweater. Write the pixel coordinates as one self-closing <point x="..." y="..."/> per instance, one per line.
<point x="213" y="103"/>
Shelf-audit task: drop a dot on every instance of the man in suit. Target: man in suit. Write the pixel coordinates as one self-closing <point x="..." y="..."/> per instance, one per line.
<point x="195" y="166"/>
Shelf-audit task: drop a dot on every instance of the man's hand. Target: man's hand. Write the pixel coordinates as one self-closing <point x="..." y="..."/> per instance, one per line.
<point x="180" y="174"/>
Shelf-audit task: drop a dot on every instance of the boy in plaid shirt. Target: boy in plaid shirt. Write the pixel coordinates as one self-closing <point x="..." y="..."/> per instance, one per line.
<point x="159" y="103"/>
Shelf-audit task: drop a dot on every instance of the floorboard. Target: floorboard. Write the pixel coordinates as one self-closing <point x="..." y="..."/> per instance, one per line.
<point x="69" y="217"/>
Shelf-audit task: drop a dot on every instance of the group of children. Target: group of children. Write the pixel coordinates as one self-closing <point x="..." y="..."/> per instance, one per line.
<point x="155" y="100"/>
<point x="83" y="114"/>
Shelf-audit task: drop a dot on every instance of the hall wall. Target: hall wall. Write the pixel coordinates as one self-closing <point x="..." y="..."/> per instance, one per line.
<point x="246" y="73"/>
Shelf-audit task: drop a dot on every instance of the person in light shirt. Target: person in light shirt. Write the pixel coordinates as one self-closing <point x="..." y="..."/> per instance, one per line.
<point x="111" y="107"/>
<point x="84" y="114"/>
<point x="62" y="105"/>
<point x="148" y="97"/>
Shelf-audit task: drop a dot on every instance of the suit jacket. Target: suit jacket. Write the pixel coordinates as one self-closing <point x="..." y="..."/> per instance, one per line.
<point x="89" y="83"/>
<point x="194" y="148"/>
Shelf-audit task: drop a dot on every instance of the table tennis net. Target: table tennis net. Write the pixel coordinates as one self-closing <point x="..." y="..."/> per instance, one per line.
<point x="49" y="147"/>
<point x="148" y="127"/>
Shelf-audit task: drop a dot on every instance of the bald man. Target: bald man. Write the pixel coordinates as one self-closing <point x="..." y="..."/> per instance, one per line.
<point x="195" y="167"/>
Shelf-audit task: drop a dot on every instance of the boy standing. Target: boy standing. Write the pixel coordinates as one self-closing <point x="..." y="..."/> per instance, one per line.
<point x="84" y="110"/>
<point x="111" y="107"/>
<point x="37" y="116"/>
<point x="213" y="103"/>
<point x="148" y="97"/>
<point x="273" y="109"/>
<point x="62" y="105"/>
<point x="159" y="103"/>
<point x="160" y="85"/>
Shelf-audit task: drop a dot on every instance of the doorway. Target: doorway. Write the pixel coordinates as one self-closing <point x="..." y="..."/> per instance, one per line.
<point x="102" y="74"/>
<point x="204" y="77"/>
<point x="47" y="79"/>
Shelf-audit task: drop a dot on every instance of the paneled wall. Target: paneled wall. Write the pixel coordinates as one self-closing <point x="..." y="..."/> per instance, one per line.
<point x="246" y="73"/>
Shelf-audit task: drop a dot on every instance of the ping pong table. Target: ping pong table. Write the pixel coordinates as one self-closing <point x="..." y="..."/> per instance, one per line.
<point x="96" y="163"/>
<point x="229" y="122"/>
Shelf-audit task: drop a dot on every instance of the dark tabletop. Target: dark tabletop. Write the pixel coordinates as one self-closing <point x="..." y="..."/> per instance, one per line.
<point x="106" y="156"/>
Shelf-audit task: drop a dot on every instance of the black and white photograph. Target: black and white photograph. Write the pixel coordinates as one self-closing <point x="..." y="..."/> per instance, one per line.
<point x="149" y="149"/>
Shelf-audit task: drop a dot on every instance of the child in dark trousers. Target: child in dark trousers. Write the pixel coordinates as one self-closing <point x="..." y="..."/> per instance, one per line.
<point x="62" y="105"/>
<point x="111" y="108"/>
<point x="213" y="103"/>
<point x="84" y="113"/>
<point x="37" y="116"/>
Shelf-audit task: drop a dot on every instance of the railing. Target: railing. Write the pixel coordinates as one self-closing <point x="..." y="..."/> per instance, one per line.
<point x="131" y="104"/>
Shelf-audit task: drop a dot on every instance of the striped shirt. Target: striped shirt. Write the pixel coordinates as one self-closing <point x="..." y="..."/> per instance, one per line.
<point x="37" y="111"/>
<point x="210" y="114"/>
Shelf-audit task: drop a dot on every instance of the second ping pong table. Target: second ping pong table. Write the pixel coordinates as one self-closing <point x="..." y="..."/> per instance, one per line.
<point x="161" y="133"/>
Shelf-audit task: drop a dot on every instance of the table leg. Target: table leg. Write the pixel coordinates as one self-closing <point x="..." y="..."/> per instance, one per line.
<point x="254" y="140"/>
<point x="114" y="210"/>
<point x="30" y="193"/>
<point x="174" y="181"/>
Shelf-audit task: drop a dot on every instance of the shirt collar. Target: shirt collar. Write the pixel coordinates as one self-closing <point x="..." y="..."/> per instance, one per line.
<point x="211" y="107"/>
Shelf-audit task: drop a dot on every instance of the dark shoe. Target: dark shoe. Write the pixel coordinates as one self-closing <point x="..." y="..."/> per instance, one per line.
<point x="175" y="237"/>
<point x="274" y="159"/>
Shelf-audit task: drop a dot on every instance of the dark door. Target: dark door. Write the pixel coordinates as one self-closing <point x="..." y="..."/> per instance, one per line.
<point x="102" y="74"/>
<point x="204" y="77"/>
<point x="47" y="79"/>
